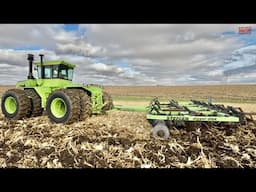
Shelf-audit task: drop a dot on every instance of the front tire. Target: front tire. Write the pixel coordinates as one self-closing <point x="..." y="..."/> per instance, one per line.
<point x="15" y="104"/>
<point x="63" y="106"/>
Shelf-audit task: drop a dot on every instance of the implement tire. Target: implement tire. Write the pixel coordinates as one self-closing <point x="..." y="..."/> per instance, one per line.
<point x="36" y="109"/>
<point x="15" y="104"/>
<point x="63" y="106"/>
<point x="160" y="130"/>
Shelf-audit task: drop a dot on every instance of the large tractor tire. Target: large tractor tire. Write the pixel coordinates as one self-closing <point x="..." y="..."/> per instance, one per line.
<point x="36" y="109"/>
<point x="108" y="100"/>
<point x="63" y="106"/>
<point x="85" y="104"/>
<point x="15" y="104"/>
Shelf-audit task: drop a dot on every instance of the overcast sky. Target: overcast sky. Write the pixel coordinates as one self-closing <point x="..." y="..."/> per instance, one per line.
<point x="134" y="54"/>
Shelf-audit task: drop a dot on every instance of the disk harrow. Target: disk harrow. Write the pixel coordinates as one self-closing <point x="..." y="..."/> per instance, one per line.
<point x="193" y="114"/>
<point x="174" y="114"/>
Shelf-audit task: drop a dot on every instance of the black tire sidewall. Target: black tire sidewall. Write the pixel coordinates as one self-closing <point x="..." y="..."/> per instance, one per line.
<point x="68" y="105"/>
<point x="35" y="102"/>
<point x="8" y="115"/>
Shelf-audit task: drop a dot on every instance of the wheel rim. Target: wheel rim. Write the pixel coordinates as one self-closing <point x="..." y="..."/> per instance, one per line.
<point x="10" y="105"/>
<point x="58" y="107"/>
<point x="161" y="133"/>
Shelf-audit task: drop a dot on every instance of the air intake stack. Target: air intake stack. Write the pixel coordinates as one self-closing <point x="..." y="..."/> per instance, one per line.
<point x="30" y="59"/>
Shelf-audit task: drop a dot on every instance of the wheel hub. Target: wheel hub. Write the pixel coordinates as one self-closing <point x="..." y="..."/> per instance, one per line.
<point x="10" y="105"/>
<point x="58" y="107"/>
<point x="160" y="133"/>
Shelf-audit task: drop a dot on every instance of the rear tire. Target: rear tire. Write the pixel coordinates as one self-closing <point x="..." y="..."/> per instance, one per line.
<point x="108" y="100"/>
<point x="63" y="106"/>
<point x="36" y="109"/>
<point x="15" y="104"/>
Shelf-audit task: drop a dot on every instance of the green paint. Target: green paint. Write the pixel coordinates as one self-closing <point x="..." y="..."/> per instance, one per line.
<point x="43" y="92"/>
<point x="55" y="62"/>
<point x="131" y="98"/>
<point x="165" y="112"/>
<point x="27" y="83"/>
<point x="131" y="108"/>
<point x="10" y="105"/>
<point x="193" y="118"/>
<point x="58" y="107"/>
<point x="44" y="87"/>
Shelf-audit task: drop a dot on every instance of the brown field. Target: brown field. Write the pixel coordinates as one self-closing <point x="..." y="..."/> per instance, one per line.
<point x="243" y="93"/>
<point x="122" y="139"/>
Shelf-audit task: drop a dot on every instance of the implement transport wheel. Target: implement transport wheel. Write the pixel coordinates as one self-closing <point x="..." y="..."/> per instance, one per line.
<point x="161" y="130"/>
<point x="15" y="104"/>
<point x="108" y="100"/>
<point x="63" y="106"/>
<point x="36" y="109"/>
<point x="85" y="104"/>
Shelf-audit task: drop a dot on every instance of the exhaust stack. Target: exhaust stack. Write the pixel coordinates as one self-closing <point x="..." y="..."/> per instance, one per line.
<point x="42" y="70"/>
<point x="30" y="59"/>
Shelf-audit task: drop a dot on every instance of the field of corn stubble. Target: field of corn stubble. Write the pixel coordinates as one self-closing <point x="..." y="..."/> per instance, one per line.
<point x="122" y="139"/>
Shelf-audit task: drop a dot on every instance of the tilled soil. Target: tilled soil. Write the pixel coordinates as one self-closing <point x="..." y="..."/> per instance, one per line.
<point x="122" y="139"/>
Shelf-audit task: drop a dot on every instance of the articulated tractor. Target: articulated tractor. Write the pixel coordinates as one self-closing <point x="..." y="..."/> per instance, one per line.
<point x="54" y="92"/>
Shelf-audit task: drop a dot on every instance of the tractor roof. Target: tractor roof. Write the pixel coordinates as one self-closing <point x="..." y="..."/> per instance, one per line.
<point x="56" y="62"/>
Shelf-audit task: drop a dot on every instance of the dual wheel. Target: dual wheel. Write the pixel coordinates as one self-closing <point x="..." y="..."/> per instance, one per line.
<point x="68" y="106"/>
<point x="63" y="106"/>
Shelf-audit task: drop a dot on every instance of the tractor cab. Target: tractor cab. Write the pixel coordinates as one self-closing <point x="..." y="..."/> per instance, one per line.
<point x="57" y="69"/>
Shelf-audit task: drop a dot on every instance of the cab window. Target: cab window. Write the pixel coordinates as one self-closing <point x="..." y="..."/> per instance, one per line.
<point x="70" y="74"/>
<point x="63" y="74"/>
<point x="55" y="71"/>
<point x="48" y="72"/>
<point x="66" y="72"/>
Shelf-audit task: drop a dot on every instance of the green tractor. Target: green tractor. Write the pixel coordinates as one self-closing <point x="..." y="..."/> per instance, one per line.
<point x="54" y="92"/>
